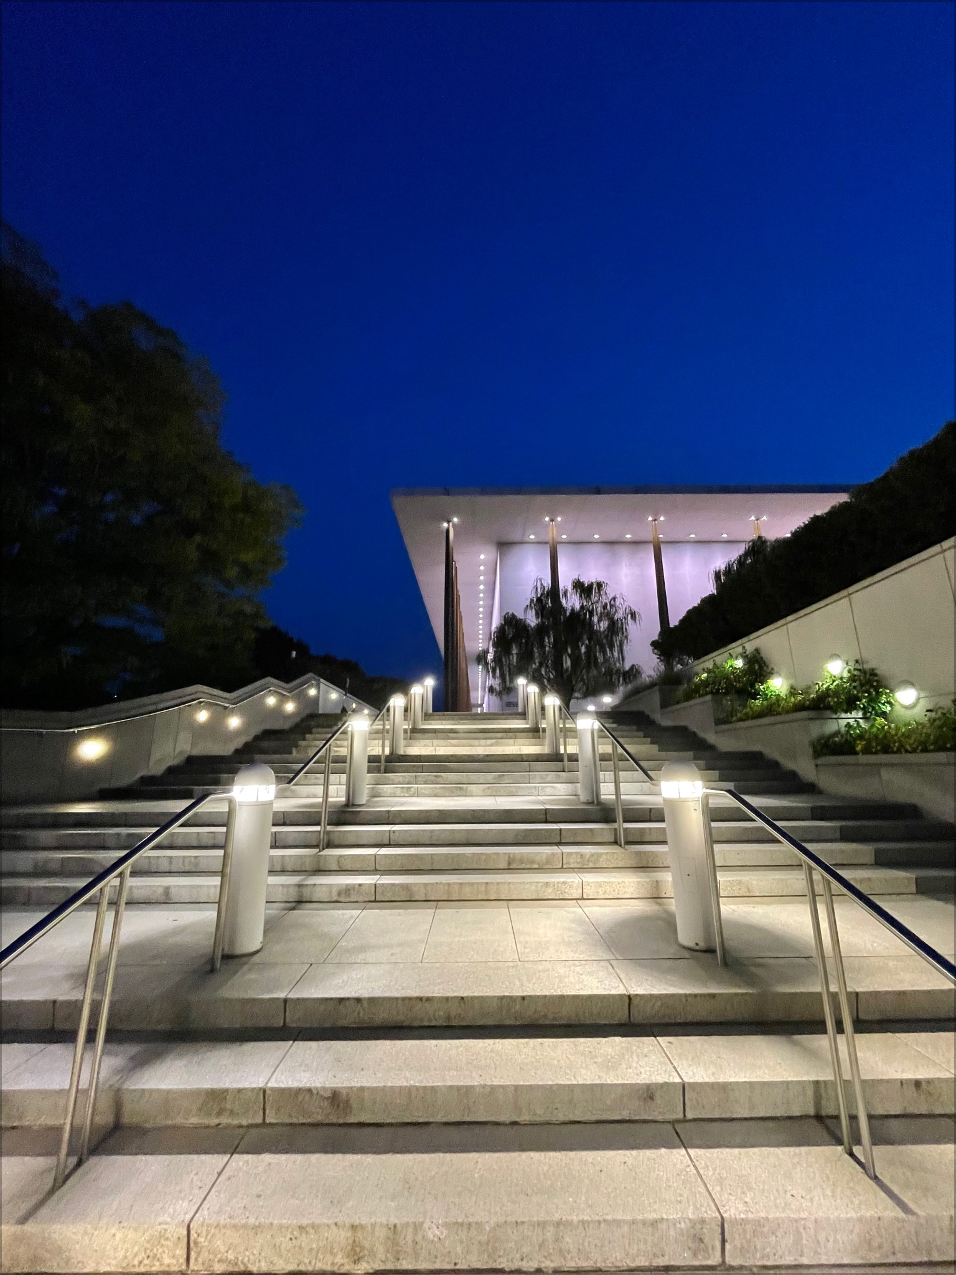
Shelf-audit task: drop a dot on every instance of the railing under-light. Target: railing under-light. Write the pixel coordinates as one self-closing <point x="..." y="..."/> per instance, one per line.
<point x="813" y="866"/>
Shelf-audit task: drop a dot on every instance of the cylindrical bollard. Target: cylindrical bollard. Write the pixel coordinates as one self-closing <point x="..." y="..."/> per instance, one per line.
<point x="356" y="773"/>
<point x="552" y="724"/>
<point x="396" y="733"/>
<point x="534" y="706"/>
<point x="681" y="789"/>
<point x="429" y="684"/>
<point x="522" y="684"/>
<point x="589" y="780"/>
<point x="254" y="789"/>
<point x="416" y="705"/>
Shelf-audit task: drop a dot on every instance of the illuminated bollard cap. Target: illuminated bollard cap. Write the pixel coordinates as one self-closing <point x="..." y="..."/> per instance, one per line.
<point x="416" y="689"/>
<point x="681" y="780"/>
<point x="428" y="681"/>
<point x="551" y="700"/>
<point x="532" y="686"/>
<point x="256" y="783"/>
<point x="586" y="723"/>
<point x="359" y="721"/>
<point x="521" y="681"/>
<point x="398" y="699"/>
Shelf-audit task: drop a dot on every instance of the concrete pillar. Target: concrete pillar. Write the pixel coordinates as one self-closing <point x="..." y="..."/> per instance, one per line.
<point x="552" y="724"/>
<point x="534" y="706"/>
<point x="254" y="789"/>
<point x="429" y="685"/>
<point x="522" y="685"/>
<point x="589" y="778"/>
<point x="396" y="725"/>
<point x="684" y="815"/>
<point x="416" y="705"/>
<point x="356" y="768"/>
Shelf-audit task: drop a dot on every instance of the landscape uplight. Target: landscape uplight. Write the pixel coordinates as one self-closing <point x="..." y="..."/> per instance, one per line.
<point x="906" y="694"/>
<point x="92" y="749"/>
<point x="835" y="664"/>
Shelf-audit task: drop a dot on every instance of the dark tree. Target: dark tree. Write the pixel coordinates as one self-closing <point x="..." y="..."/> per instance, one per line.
<point x="594" y="624"/>
<point x="134" y="545"/>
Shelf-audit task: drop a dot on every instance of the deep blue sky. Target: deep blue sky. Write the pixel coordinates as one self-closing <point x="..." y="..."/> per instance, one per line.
<point x="496" y="244"/>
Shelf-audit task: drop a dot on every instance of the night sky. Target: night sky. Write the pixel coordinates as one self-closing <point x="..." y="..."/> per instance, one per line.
<point x="504" y="244"/>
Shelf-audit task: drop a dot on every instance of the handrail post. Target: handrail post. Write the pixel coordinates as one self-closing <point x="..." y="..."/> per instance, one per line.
<point x="225" y="876"/>
<point x="618" y="808"/>
<point x="849" y="1032"/>
<point x="712" y="876"/>
<point x="81" y="1030"/>
<point x="118" y="909"/>
<point x="324" y="819"/>
<point x="828" y="1009"/>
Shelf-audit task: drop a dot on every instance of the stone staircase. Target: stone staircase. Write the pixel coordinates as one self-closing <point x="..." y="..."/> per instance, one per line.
<point x="470" y="1040"/>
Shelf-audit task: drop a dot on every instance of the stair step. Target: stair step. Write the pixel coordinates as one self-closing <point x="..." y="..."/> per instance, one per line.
<point x="452" y="1079"/>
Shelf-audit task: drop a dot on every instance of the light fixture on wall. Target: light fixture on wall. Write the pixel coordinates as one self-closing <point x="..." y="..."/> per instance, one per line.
<point x="563" y="537"/>
<point x="532" y="536"/>
<point x="835" y="665"/>
<point x="202" y="716"/>
<point x="739" y="662"/>
<point x="606" y="699"/>
<point x="596" y="536"/>
<point x="777" y="682"/>
<point x="906" y="694"/>
<point x="334" y="695"/>
<point x="692" y="536"/>
<point x="271" y="701"/>
<point x="234" y="722"/>
<point x="723" y="535"/>
<point x="312" y="691"/>
<point x="289" y="706"/>
<point x="92" y="749"/>
<point x="627" y="536"/>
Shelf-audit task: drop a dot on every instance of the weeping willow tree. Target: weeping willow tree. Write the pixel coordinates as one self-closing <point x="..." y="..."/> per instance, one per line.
<point x="594" y="624"/>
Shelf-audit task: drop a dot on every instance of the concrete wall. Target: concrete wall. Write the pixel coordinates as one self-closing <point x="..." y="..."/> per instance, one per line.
<point x="628" y="570"/>
<point x="901" y="622"/>
<point x="40" y="760"/>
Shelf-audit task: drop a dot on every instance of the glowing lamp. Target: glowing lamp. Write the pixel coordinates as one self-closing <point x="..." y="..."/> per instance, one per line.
<point x="92" y="749"/>
<point x="255" y="783"/>
<point x="906" y="694"/>
<point x="202" y="715"/>
<point x="835" y="664"/>
<point x="680" y="780"/>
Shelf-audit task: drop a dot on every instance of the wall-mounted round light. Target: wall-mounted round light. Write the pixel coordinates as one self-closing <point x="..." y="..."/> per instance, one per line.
<point x="906" y="694"/>
<point x="692" y="536"/>
<point x="289" y="706"/>
<point x="627" y="536"/>
<point x="595" y="536"/>
<point x="312" y="691"/>
<point x="92" y="749"/>
<point x="334" y="695"/>
<point x="835" y="665"/>
<point x="777" y="682"/>
<point x="723" y="535"/>
<point x="606" y="699"/>
<point x="202" y="716"/>
<point x="234" y="722"/>
<point x="481" y="555"/>
<point x="563" y="536"/>
<point x="739" y="662"/>
<point x="271" y="701"/>
<point x="531" y="537"/>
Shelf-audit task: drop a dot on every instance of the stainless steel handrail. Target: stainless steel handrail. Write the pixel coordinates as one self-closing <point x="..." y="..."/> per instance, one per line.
<point x="829" y="876"/>
<point x="101" y="885"/>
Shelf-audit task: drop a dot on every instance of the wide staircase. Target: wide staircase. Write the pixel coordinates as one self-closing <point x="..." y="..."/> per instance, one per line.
<point x="470" y="1040"/>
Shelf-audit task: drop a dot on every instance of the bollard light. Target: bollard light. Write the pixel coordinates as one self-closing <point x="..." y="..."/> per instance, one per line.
<point x="906" y="694"/>
<point x="356" y="766"/>
<point x="589" y="762"/>
<point x="396" y="734"/>
<point x="254" y="789"/>
<point x="552" y="724"/>
<point x="689" y="849"/>
<point x="522" y="685"/>
<point x="533" y="705"/>
<point x="429" y="685"/>
<point x="416" y="705"/>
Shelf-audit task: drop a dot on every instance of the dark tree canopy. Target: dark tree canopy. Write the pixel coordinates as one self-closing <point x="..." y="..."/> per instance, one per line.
<point x="279" y="654"/>
<point x="134" y="545"/>
<point x="909" y="508"/>
<point x="594" y="625"/>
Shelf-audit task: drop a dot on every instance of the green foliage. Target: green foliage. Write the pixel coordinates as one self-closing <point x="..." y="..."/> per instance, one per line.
<point x="742" y="674"/>
<point x="134" y="546"/>
<point x="909" y="508"/>
<point x="935" y="733"/>
<point x="594" y="624"/>
<point x="856" y="690"/>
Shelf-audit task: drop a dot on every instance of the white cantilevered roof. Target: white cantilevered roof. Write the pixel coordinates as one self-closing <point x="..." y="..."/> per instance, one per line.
<point x="489" y="516"/>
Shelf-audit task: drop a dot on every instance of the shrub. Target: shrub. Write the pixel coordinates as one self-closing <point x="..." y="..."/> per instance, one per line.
<point x="936" y="733"/>
<point x="741" y="674"/>
<point x="856" y="690"/>
<point x="854" y="539"/>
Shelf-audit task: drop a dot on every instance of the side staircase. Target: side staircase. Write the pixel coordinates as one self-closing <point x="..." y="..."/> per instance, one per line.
<point x="470" y="1040"/>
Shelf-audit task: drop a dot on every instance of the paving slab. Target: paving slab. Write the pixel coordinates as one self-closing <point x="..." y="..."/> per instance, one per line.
<point x="940" y="1046"/>
<point x="115" y="1213"/>
<point x="457" y="994"/>
<point x="441" y="1212"/>
<point x="795" y="1205"/>
<point x="787" y="1075"/>
<point x="697" y="989"/>
<point x="384" y="935"/>
<point x="482" y="932"/>
<point x="510" y="1080"/>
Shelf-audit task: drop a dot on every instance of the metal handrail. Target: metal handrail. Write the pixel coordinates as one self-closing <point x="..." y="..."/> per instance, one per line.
<point x="101" y="885"/>
<point x="829" y="877"/>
